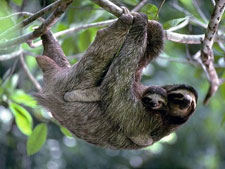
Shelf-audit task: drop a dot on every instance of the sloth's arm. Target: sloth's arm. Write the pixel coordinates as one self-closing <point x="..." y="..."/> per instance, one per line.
<point x="86" y="95"/>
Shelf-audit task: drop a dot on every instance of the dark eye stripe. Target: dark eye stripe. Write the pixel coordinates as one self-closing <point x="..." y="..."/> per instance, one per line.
<point x="146" y="100"/>
<point x="176" y="95"/>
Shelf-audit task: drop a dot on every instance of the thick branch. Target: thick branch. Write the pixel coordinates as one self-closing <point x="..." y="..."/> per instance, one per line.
<point x="207" y="56"/>
<point x="183" y="38"/>
<point x="109" y="6"/>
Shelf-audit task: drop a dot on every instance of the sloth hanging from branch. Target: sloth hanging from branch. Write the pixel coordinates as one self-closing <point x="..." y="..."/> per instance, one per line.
<point x="101" y="100"/>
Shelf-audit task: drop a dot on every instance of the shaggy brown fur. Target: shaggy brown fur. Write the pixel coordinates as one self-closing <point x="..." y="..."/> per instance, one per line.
<point x="113" y="63"/>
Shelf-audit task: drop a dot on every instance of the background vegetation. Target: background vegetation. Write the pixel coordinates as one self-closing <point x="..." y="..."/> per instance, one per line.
<point x="26" y="128"/>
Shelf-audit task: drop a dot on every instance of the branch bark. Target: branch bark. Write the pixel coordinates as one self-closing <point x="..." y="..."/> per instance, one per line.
<point x="109" y="6"/>
<point x="29" y="74"/>
<point x="46" y="25"/>
<point x="11" y="55"/>
<point x="207" y="55"/>
<point x="172" y="36"/>
<point x="32" y="18"/>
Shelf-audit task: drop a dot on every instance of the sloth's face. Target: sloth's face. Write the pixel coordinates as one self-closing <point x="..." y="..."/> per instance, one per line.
<point x="181" y="102"/>
<point x="155" y="99"/>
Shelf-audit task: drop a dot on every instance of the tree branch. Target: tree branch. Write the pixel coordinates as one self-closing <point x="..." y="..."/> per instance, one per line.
<point x="109" y="6"/>
<point x="11" y="55"/>
<point x="29" y="74"/>
<point x="207" y="55"/>
<point x="41" y="29"/>
<point x="139" y="6"/>
<point x="179" y="26"/>
<point x="75" y="29"/>
<point x="183" y="38"/>
<point x="32" y="18"/>
<point x="175" y="37"/>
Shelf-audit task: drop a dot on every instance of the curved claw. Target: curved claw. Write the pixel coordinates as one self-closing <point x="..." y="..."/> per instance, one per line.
<point x="126" y="17"/>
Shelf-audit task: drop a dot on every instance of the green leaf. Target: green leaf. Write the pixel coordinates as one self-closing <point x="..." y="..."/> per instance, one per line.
<point x="37" y="139"/>
<point x="23" y="118"/>
<point x="150" y="10"/>
<point x="66" y="132"/>
<point x="22" y="98"/>
<point x="84" y="40"/>
<point x="18" y="2"/>
<point x="174" y="22"/>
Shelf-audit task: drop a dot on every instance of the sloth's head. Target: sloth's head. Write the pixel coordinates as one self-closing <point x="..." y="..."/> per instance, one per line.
<point x="174" y="102"/>
<point x="182" y="100"/>
<point x="154" y="98"/>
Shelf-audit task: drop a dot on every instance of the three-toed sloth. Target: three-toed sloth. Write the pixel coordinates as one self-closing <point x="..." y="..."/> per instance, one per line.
<point x="101" y="100"/>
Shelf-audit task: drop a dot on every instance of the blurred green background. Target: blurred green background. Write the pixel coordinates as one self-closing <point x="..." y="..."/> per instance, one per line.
<point x="199" y="144"/>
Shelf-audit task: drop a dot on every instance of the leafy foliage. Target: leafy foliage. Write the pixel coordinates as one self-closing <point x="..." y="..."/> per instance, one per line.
<point x="174" y="22"/>
<point x="23" y="118"/>
<point x="37" y="139"/>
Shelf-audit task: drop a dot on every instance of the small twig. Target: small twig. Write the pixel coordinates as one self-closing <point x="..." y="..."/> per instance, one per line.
<point x="110" y="7"/>
<point x="194" y="20"/>
<point x="207" y="56"/>
<point x="11" y="55"/>
<point x="29" y="74"/>
<point x="139" y="6"/>
<point x="196" y="5"/>
<point x="75" y="29"/>
<point x="176" y="37"/>
<point x="180" y="26"/>
<point x="77" y="56"/>
<point x="182" y="61"/>
<point x="16" y="14"/>
<point x="194" y="62"/>
<point x="160" y="7"/>
<point x="32" y="18"/>
<point x="172" y="36"/>
<point x="41" y="29"/>
<point x="10" y="73"/>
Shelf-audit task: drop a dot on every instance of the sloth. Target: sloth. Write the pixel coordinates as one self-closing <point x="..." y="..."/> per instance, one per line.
<point x="101" y="100"/>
